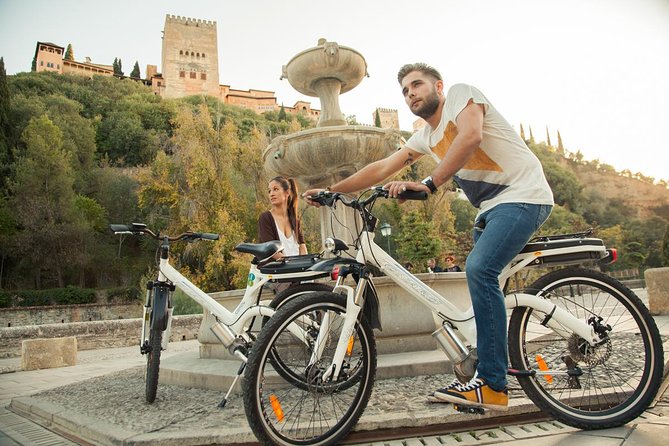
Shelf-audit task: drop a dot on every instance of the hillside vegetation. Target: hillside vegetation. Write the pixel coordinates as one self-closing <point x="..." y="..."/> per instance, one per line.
<point x="77" y="154"/>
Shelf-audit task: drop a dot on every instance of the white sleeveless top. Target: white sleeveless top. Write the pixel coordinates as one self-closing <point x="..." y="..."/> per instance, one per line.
<point x="290" y="245"/>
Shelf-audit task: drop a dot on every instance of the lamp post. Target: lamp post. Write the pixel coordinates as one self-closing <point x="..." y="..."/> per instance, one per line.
<point x="386" y="231"/>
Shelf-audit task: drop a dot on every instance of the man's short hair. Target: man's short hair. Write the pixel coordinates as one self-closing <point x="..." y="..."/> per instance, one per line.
<point x="418" y="66"/>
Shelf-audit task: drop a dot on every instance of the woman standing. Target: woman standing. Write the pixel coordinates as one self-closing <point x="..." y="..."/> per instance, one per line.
<point x="281" y="222"/>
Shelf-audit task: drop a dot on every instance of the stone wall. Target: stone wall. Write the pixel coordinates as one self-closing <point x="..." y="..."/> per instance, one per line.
<point x="94" y="335"/>
<point x="55" y="314"/>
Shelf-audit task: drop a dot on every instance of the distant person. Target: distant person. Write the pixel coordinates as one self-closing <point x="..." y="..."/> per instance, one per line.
<point x="281" y="222"/>
<point x="451" y="267"/>
<point x="408" y="266"/>
<point x="433" y="267"/>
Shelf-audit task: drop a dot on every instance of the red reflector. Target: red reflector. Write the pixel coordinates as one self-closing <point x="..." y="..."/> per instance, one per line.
<point x="614" y="254"/>
<point x="334" y="274"/>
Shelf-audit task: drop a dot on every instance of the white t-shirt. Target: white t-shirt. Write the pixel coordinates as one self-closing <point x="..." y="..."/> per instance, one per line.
<point x="502" y="169"/>
<point x="290" y="245"/>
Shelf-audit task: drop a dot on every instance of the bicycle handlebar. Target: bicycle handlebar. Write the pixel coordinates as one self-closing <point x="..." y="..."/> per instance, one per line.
<point x="141" y="229"/>
<point x="326" y="198"/>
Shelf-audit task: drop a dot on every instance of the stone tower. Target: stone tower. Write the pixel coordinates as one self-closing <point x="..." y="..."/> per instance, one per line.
<point x="389" y="118"/>
<point x="190" y="57"/>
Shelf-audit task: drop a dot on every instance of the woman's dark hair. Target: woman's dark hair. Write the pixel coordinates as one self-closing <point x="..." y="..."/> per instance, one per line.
<point x="289" y="185"/>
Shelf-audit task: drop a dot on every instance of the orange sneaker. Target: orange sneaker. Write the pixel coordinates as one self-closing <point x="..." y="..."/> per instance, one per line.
<point x="475" y="393"/>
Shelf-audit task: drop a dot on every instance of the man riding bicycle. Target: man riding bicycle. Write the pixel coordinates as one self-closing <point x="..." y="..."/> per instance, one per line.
<point x="473" y="144"/>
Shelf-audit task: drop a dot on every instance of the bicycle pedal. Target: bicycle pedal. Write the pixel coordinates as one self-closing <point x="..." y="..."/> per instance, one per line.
<point x="469" y="409"/>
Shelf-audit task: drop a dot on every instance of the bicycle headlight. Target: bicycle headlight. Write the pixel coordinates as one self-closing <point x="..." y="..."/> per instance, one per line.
<point x="329" y="244"/>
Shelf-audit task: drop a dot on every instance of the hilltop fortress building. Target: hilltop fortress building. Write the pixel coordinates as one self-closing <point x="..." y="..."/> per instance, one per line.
<point x="189" y="64"/>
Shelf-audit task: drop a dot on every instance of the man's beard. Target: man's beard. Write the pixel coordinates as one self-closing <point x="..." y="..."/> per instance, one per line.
<point x="429" y="107"/>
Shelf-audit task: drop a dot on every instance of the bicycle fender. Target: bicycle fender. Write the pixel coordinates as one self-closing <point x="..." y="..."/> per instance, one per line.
<point x="159" y="315"/>
<point x="372" y="306"/>
<point x="328" y="264"/>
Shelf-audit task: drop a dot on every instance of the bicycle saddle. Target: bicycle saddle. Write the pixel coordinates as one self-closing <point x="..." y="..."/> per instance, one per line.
<point x="261" y="251"/>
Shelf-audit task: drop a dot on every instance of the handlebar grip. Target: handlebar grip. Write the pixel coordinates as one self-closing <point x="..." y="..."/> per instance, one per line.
<point x="209" y="236"/>
<point x="413" y="195"/>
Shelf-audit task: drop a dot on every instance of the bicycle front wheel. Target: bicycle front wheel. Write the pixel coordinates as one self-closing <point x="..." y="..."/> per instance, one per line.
<point x="153" y="364"/>
<point x="319" y="412"/>
<point x="592" y="387"/>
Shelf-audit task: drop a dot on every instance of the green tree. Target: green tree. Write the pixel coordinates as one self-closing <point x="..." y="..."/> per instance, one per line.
<point x="69" y="52"/>
<point x="5" y="127"/>
<point x="117" y="67"/>
<point x="548" y="137"/>
<point x="195" y="189"/>
<point x="282" y="113"/>
<point x="43" y="201"/>
<point x="418" y="239"/>
<point x="560" y="147"/>
<point x="377" y="118"/>
<point x="135" y="71"/>
<point x="522" y="131"/>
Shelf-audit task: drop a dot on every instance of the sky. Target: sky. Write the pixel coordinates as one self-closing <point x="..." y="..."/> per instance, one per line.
<point x="597" y="71"/>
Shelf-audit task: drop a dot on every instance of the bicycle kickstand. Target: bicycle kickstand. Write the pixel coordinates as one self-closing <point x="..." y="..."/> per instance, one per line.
<point x="221" y="405"/>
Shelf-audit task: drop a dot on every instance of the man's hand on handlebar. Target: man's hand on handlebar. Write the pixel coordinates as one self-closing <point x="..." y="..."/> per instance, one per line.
<point x="395" y="188"/>
<point x="310" y="193"/>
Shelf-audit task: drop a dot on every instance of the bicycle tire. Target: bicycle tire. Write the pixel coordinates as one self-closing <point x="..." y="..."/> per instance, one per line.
<point x="620" y="377"/>
<point x="281" y="299"/>
<point x="153" y="364"/>
<point x="321" y="413"/>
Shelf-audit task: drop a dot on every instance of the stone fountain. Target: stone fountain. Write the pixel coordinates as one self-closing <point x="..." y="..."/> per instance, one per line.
<point x="333" y="150"/>
<point x="315" y="157"/>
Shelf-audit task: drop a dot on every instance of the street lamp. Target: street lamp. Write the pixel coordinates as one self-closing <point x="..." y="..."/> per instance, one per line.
<point x="386" y="230"/>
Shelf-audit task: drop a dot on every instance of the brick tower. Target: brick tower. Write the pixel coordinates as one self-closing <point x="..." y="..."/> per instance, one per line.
<point x="190" y="57"/>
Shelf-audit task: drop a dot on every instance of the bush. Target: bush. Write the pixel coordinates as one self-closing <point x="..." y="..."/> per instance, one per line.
<point x="184" y="305"/>
<point x="56" y="296"/>
<point x="123" y="294"/>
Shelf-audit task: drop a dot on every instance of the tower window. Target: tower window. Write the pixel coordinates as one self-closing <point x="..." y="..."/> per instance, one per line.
<point x="198" y="54"/>
<point x="182" y="74"/>
<point x="193" y="75"/>
<point x="181" y="52"/>
<point x="202" y="54"/>
<point x="203" y="76"/>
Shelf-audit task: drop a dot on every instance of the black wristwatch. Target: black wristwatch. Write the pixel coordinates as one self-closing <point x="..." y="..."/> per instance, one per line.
<point x="430" y="184"/>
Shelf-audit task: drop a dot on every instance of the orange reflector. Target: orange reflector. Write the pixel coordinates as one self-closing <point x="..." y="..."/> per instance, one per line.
<point x="544" y="367"/>
<point x="349" y="347"/>
<point x="276" y="407"/>
<point x="334" y="274"/>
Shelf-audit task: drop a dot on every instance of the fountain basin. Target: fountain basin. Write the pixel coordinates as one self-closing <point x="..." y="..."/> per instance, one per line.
<point x="322" y="156"/>
<point x="328" y="60"/>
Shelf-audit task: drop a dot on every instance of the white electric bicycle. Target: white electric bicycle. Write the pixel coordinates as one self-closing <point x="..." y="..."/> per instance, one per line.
<point x="583" y="346"/>
<point x="233" y="329"/>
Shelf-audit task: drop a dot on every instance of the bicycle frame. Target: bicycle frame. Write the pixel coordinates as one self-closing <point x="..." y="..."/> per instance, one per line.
<point x="463" y="321"/>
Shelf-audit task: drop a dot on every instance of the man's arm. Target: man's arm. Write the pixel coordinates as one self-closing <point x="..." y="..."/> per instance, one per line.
<point x="374" y="173"/>
<point x="470" y="133"/>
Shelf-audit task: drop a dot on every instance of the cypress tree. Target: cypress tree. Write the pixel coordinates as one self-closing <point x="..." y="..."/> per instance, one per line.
<point x="377" y="119"/>
<point x="560" y="146"/>
<point x="135" y="70"/>
<point x="531" y="135"/>
<point x="69" y="52"/>
<point x="282" y="113"/>
<point x="522" y="131"/>
<point x="548" y="137"/>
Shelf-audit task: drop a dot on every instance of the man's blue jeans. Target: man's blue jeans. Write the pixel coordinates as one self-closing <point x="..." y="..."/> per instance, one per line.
<point x="499" y="235"/>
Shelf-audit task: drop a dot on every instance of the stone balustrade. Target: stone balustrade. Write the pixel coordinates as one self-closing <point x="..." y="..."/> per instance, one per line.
<point x="657" y="284"/>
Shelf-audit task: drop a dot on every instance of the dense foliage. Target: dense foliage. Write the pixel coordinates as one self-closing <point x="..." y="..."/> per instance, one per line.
<point x="77" y="154"/>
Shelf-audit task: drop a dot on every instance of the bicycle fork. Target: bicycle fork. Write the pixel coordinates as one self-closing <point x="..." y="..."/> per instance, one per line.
<point x="355" y="300"/>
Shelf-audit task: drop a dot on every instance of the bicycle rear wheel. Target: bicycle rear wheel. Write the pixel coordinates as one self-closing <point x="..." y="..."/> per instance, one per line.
<point x="620" y="377"/>
<point x="316" y="413"/>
